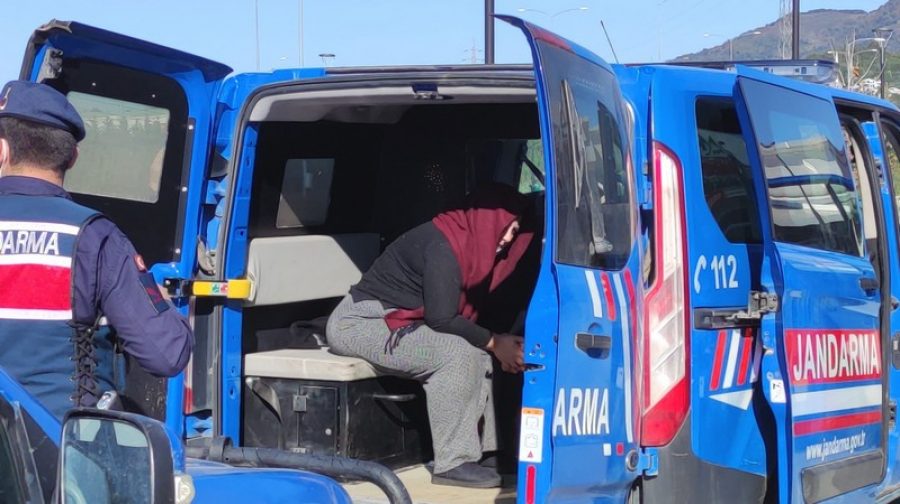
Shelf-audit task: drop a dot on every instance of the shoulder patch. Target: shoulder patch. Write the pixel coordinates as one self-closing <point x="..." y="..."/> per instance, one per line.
<point x="156" y="298"/>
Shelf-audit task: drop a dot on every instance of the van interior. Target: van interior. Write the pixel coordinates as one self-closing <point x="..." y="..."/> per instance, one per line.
<point x="338" y="174"/>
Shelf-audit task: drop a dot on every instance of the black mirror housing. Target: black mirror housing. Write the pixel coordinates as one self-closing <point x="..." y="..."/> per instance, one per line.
<point x="105" y="453"/>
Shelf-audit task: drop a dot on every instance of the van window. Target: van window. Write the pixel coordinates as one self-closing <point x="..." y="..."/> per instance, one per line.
<point x="305" y="193"/>
<point x="122" y="153"/>
<point x="891" y="146"/>
<point x="727" y="179"/>
<point x="812" y="196"/>
<point x="516" y="162"/>
<point x="10" y="483"/>
<point x="594" y="195"/>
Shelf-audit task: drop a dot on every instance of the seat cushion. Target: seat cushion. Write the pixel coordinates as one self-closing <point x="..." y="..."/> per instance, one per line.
<point x="307" y="364"/>
<point x="291" y="269"/>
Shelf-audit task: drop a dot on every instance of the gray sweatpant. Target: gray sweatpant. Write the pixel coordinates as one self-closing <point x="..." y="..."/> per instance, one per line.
<point x="456" y="377"/>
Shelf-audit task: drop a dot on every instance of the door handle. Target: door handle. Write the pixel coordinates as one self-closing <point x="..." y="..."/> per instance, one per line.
<point x="595" y="345"/>
<point x="869" y="284"/>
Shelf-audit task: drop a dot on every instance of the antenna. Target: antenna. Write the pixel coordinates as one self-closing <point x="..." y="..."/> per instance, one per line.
<point x="608" y="41"/>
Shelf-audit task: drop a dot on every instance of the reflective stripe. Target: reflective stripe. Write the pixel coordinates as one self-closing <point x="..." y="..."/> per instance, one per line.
<point x="595" y="293"/>
<point x="732" y="358"/>
<point x="26" y="314"/>
<point x="757" y="355"/>
<point x="626" y="355"/>
<point x="51" y="227"/>
<point x="836" y="399"/>
<point x="45" y="260"/>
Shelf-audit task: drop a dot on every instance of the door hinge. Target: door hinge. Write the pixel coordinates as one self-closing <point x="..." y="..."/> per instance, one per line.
<point x="645" y="461"/>
<point x="892" y="419"/>
<point x="758" y="304"/>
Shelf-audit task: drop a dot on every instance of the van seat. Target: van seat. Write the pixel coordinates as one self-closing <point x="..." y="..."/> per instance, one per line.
<point x="307" y="364"/>
<point x="291" y="269"/>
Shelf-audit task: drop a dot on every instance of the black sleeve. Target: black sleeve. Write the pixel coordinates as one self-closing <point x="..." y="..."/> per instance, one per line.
<point x="441" y="286"/>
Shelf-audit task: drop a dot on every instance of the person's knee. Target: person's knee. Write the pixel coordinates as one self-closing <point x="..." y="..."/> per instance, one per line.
<point x="470" y="362"/>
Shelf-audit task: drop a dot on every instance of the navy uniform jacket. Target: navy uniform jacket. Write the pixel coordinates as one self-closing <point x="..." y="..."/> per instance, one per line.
<point x="107" y="279"/>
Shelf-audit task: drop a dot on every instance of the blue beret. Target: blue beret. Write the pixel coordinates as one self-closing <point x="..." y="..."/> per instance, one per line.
<point x="42" y="104"/>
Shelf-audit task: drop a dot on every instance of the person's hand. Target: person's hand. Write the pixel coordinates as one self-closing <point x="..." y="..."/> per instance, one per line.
<point x="509" y="350"/>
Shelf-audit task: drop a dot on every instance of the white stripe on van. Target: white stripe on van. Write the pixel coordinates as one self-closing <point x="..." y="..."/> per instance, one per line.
<point x="733" y="348"/>
<point x="595" y="293"/>
<point x="836" y="399"/>
<point x="757" y="354"/>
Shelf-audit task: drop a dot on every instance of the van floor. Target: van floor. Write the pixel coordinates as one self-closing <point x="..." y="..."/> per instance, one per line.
<point x="418" y="482"/>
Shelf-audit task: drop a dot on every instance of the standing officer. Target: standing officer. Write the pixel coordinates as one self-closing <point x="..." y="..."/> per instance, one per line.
<point x="64" y="267"/>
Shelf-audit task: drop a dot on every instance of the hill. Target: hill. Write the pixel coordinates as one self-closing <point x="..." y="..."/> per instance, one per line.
<point x="821" y="30"/>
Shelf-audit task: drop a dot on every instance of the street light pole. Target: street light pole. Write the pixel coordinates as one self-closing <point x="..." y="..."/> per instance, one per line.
<point x="795" y="31"/>
<point x="884" y="34"/>
<point x="300" y="34"/>
<point x="256" y="12"/>
<point x="489" y="32"/>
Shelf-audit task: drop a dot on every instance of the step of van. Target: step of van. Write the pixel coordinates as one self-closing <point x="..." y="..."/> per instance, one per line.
<point x="314" y="401"/>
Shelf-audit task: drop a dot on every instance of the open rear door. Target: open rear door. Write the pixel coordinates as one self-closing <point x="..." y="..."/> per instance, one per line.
<point x="148" y="114"/>
<point x="822" y="364"/>
<point x="585" y="443"/>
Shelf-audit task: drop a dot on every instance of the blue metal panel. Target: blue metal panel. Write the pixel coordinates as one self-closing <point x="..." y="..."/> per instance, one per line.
<point x="235" y="265"/>
<point x="822" y="414"/>
<point x="721" y="410"/>
<point x="888" y="490"/>
<point x="215" y="483"/>
<point x="14" y="392"/>
<point x="200" y="80"/>
<point x="592" y="425"/>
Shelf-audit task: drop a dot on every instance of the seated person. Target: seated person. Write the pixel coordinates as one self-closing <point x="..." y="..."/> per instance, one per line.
<point x="414" y="314"/>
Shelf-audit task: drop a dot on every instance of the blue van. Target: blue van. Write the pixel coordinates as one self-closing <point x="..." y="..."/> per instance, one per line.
<point x="710" y="316"/>
<point x="82" y="462"/>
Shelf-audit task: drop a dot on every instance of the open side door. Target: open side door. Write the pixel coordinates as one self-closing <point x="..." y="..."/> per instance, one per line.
<point x="148" y="111"/>
<point x="589" y="441"/>
<point x="821" y="324"/>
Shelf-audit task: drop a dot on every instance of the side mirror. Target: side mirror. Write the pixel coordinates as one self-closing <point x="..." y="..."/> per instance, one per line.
<point x="116" y="457"/>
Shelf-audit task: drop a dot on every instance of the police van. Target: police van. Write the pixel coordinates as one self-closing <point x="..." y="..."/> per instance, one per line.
<point x="709" y="317"/>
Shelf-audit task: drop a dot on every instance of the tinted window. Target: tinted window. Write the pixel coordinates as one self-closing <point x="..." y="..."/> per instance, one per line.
<point x="811" y="191"/>
<point x="892" y="157"/>
<point x="10" y="485"/>
<point x="727" y="179"/>
<point x="119" y="134"/>
<point x="594" y="205"/>
<point x="305" y="193"/>
<point x="133" y="156"/>
<point x="516" y="162"/>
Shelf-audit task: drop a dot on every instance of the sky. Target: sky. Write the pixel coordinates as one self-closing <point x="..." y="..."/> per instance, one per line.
<point x="397" y="32"/>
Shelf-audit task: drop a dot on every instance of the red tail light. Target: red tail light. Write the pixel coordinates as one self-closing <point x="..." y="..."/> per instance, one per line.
<point x="666" y="344"/>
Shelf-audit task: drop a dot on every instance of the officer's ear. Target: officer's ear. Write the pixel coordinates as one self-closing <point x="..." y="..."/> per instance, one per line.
<point x="4" y="152"/>
<point x="74" y="158"/>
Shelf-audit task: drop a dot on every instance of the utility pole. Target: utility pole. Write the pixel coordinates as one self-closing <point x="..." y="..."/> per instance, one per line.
<point x="256" y="17"/>
<point x="300" y="33"/>
<point x="489" y="32"/>
<point x="885" y="35"/>
<point x="795" y="35"/>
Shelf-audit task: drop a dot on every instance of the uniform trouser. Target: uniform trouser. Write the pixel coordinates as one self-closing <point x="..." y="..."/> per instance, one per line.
<point x="456" y="377"/>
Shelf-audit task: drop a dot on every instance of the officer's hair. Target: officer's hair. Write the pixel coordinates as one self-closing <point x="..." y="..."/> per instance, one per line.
<point x="37" y="144"/>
